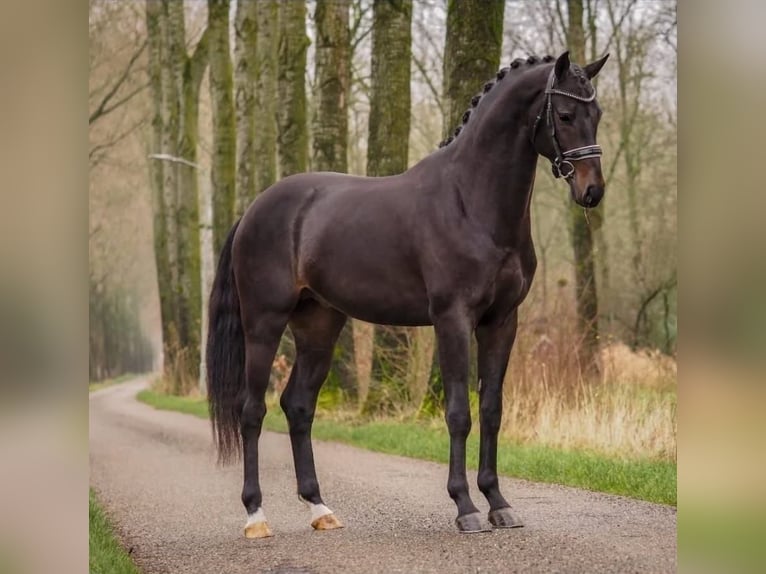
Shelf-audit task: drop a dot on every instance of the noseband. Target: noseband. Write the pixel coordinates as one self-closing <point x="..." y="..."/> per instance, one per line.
<point x="562" y="166"/>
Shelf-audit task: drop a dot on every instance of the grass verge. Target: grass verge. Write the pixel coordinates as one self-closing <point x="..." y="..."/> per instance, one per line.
<point x="106" y="554"/>
<point x="646" y="479"/>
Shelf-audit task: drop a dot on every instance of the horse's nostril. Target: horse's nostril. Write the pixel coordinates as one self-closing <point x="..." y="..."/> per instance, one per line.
<point x="593" y="195"/>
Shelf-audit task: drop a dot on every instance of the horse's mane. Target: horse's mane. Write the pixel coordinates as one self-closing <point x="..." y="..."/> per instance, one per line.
<point x="517" y="63"/>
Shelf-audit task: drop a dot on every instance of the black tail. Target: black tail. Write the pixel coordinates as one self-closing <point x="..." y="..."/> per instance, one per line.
<point x="225" y="357"/>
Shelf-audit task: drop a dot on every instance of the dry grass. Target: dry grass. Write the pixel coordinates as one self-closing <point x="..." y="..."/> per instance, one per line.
<point x="630" y="411"/>
<point x="613" y="418"/>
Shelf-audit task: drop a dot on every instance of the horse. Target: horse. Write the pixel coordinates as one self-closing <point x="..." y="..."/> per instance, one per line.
<point x="447" y="243"/>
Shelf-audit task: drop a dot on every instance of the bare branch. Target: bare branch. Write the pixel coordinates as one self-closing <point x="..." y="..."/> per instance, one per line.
<point x="432" y="88"/>
<point x="104" y="106"/>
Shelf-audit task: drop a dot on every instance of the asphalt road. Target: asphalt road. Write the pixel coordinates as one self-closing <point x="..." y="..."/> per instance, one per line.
<point x="176" y="511"/>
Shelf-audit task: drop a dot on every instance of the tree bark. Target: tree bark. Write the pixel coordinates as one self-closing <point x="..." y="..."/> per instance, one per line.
<point x="267" y="14"/>
<point x="471" y="53"/>
<point x="154" y="29"/>
<point x="224" y="131"/>
<point x="389" y="124"/>
<point x="586" y="293"/>
<point x="388" y="142"/>
<point x="175" y="80"/>
<point x="245" y="50"/>
<point x="333" y="76"/>
<point x="292" y="139"/>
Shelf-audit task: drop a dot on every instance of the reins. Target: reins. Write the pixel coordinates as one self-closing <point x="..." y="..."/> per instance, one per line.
<point x="563" y="159"/>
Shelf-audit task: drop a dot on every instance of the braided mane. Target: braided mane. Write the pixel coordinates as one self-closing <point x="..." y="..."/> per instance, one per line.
<point x="518" y="62"/>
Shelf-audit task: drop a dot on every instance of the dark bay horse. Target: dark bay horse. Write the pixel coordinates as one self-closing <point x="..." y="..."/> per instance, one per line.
<point x="447" y="243"/>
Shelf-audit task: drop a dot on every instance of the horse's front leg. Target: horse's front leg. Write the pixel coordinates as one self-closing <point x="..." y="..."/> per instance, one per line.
<point x="453" y="332"/>
<point x="494" y="348"/>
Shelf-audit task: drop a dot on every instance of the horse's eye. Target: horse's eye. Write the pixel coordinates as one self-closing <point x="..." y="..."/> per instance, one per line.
<point x="565" y="117"/>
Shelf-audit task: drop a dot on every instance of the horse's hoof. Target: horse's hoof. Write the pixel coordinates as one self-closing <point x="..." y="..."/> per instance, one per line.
<point x="326" y="522"/>
<point x="470" y="523"/>
<point x="258" y="530"/>
<point x="505" y="518"/>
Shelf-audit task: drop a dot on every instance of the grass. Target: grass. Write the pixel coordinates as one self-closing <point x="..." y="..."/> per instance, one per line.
<point x="97" y="386"/>
<point x="106" y="554"/>
<point x="644" y="478"/>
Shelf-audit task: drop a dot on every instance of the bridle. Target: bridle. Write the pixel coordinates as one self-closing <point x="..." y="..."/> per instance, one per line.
<point x="562" y="165"/>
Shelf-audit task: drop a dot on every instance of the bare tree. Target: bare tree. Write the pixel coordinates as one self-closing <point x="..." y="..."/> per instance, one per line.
<point x="117" y="77"/>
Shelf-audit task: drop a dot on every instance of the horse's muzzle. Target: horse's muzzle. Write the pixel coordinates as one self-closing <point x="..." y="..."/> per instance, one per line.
<point x="593" y="195"/>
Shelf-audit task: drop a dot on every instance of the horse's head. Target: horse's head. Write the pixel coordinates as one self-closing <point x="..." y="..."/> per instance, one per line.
<point x="566" y="125"/>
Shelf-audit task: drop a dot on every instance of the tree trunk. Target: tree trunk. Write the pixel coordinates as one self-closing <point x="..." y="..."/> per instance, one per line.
<point x="189" y="74"/>
<point x="173" y="356"/>
<point x="154" y="29"/>
<point x="175" y="81"/>
<point x="333" y="76"/>
<point x="224" y="132"/>
<point x="422" y="346"/>
<point x="245" y="46"/>
<point x="389" y="129"/>
<point x="471" y="53"/>
<point x="293" y="137"/>
<point x="389" y="126"/>
<point x="266" y="94"/>
<point x="582" y="239"/>
<point x="330" y="130"/>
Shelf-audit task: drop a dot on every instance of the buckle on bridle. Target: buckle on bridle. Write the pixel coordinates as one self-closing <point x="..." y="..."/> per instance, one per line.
<point x="558" y="169"/>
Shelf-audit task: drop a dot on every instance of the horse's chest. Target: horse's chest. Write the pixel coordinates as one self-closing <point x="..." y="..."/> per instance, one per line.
<point x="513" y="280"/>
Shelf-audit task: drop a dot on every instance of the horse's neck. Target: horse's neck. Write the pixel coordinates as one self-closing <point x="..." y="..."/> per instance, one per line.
<point x="495" y="182"/>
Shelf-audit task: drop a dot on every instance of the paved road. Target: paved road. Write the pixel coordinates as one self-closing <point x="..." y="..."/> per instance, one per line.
<point x="155" y="473"/>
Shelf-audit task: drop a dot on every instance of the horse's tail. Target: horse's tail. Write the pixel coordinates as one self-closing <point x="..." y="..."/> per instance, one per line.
<point x="225" y="357"/>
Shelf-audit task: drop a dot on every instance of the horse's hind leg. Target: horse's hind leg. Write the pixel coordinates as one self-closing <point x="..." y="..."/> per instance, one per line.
<point x="263" y="331"/>
<point x="315" y="329"/>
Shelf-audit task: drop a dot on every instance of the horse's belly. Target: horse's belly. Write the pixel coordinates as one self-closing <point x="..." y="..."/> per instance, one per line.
<point x="374" y="299"/>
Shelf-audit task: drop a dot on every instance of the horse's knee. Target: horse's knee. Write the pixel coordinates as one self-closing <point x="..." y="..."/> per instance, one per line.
<point x="491" y="417"/>
<point x="458" y="422"/>
<point x="300" y="416"/>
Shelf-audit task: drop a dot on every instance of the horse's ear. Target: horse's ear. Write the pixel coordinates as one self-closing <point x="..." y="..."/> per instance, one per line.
<point x="562" y="65"/>
<point x="592" y="69"/>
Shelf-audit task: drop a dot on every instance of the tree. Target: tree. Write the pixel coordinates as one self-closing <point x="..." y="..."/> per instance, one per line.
<point x="117" y="77"/>
<point x="471" y="52"/>
<point x="642" y="151"/>
<point x="267" y="15"/>
<point x="175" y="79"/>
<point x="586" y="293"/>
<point x="389" y="127"/>
<point x="333" y="75"/>
<point x="292" y="139"/>
<point x="330" y="125"/>
<point x="224" y="131"/>
<point x="245" y="46"/>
